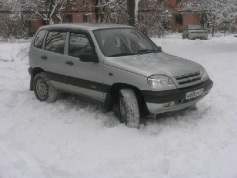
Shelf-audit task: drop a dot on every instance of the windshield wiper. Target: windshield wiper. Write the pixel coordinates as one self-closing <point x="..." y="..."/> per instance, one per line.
<point x="143" y="51"/>
<point x="121" y="54"/>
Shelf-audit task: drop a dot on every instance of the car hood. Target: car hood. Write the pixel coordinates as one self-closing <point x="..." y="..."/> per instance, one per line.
<point x="154" y="63"/>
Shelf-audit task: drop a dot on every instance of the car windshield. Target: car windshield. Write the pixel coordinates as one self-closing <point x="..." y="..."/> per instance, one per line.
<point x="195" y="27"/>
<point x="123" y="42"/>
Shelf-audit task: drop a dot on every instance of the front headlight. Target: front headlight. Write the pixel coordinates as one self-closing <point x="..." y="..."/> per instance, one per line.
<point x="204" y="75"/>
<point x="160" y="82"/>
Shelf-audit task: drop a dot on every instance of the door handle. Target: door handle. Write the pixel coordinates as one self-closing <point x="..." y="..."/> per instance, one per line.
<point x="44" y="57"/>
<point x="69" y="63"/>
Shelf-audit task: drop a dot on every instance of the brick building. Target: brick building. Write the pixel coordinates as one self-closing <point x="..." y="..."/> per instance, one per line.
<point x="179" y="17"/>
<point x="31" y="20"/>
<point x="83" y="11"/>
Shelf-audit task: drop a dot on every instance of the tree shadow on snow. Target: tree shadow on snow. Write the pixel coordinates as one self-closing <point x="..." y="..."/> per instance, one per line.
<point x="90" y="106"/>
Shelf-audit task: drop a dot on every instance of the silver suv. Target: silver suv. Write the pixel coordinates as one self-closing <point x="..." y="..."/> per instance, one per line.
<point x="116" y="65"/>
<point x="193" y="32"/>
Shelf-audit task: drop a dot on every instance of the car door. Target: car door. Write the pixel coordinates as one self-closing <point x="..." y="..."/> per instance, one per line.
<point x="83" y="77"/>
<point x="36" y="51"/>
<point x="54" y="57"/>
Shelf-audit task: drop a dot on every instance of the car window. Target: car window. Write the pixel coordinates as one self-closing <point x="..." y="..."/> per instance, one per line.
<point x="123" y="41"/>
<point x="39" y="39"/>
<point x="79" y="44"/>
<point x="55" y="42"/>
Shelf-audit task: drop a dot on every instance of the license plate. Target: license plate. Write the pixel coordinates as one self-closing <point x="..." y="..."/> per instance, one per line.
<point x="194" y="94"/>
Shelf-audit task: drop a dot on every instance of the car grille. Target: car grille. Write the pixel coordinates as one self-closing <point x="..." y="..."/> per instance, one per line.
<point x="188" y="80"/>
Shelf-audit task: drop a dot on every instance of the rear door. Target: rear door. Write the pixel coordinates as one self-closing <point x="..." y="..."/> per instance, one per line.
<point x="36" y="50"/>
<point x="54" y="57"/>
<point x="83" y="77"/>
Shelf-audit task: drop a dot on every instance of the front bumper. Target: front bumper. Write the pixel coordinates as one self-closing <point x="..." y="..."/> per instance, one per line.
<point x="173" y="100"/>
<point x="198" y="35"/>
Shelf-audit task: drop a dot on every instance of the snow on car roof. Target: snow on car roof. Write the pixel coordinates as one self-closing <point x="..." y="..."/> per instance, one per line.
<point x="85" y="26"/>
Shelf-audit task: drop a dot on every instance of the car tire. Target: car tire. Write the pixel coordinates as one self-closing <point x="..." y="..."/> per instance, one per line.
<point x="43" y="89"/>
<point x="190" y="38"/>
<point x="128" y="108"/>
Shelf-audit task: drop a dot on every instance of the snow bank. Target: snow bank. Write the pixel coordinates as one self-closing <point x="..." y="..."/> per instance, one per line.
<point x="72" y="138"/>
<point x="176" y="40"/>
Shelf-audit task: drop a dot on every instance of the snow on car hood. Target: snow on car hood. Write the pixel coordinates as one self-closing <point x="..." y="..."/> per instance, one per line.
<point x="153" y="63"/>
<point x="197" y="31"/>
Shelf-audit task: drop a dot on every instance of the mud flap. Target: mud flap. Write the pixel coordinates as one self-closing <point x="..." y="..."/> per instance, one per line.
<point x="108" y="104"/>
<point x="31" y="83"/>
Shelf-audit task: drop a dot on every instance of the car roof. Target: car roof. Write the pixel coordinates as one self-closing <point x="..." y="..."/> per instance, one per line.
<point x="84" y="26"/>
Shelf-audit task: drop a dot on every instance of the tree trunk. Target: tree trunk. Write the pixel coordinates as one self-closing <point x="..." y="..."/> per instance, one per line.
<point x="213" y="26"/>
<point x="131" y="12"/>
<point x="47" y="21"/>
<point x="97" y="11"/>
<point x="64" y="12"/>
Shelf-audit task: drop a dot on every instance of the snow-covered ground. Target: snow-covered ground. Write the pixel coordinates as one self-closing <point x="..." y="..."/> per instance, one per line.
<point x="74" y="139"/>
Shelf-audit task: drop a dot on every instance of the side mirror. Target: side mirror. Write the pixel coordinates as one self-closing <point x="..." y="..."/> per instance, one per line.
<point x="87" y="57"/>
<point x="159" y="48"/>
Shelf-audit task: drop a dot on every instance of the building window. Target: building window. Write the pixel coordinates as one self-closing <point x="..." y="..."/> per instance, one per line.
<point x="84" y="2"/>
<point x="69" y="19"/>
<point x="179" y="19"/>
<point x="179" y="1"/>
<point x="161" y="1"/>
<point x="28" y="23"/>
<point x="85" y="18"/>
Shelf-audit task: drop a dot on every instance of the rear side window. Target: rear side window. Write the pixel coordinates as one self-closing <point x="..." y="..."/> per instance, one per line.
<point x="55" y="42"/>
<point x="39" y="39"/>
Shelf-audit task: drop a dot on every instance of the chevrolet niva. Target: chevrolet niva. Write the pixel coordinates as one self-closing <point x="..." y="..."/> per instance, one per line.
<point x="193" y="32"/>
<point x="117" y="65"/>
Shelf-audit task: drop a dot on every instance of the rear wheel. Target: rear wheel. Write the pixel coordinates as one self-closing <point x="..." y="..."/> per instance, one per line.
<point x="128" y="108"/>
<point x="44" y="91"/>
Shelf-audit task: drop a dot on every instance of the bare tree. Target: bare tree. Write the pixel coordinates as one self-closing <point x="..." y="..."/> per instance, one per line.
<point x="154" y="18"/>
<point x="11" y="18"/>
<point x="215" y="14"/>
<point x="131" y="12"/>
<point x="111" y="11"/>
<point x="50" y="11"/>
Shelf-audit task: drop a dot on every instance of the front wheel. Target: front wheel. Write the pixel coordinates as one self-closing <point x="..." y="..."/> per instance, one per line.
<point x="129" y="108"/>
<point x="44" y="91"/>
<point x="188" y="36"/>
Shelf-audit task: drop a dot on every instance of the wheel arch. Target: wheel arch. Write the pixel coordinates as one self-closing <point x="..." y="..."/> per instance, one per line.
<point x="34" y="72"/>
<point x="116" y="87"/>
